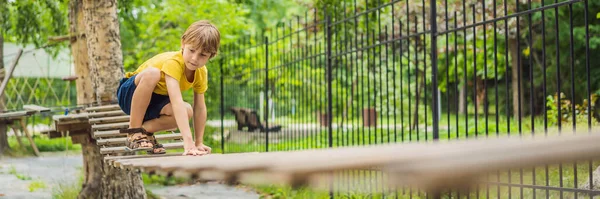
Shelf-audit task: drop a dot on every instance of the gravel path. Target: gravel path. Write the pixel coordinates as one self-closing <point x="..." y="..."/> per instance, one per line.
<point x="53" y="169"/>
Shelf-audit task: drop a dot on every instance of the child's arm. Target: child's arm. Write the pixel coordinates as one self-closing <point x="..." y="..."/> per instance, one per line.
<point x="200" y="121"/>
<point x="181" y="115"/>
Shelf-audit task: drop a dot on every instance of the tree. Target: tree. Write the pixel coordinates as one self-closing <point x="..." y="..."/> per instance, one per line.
<point x="106" y="69"/>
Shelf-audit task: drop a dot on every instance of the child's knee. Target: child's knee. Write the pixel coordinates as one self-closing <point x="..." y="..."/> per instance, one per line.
<point x="151" y="75"/>
<point x="190" y="110"/>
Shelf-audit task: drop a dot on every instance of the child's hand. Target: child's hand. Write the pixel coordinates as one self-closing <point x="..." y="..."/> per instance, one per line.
<point x="193" y="152"/>
<point x="203" y="148"/>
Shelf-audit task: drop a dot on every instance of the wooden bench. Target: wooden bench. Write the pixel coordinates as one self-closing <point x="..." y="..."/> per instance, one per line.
<point x="103" y="124"/>
<point x="253" y="122"/>
<point x="248" y="118"/>
<point x="240" y="117"/>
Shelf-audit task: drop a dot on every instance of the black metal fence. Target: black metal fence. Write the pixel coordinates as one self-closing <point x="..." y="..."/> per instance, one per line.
<point x="371" y="72"/>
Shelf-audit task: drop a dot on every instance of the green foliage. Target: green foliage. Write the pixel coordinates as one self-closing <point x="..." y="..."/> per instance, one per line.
<point x="35" y="185"/>
<point x="44" y="144"/>
<point x="279" y="192"/>
<point x="162" y="180"/>
<point x="20" y="176"/>
<point x="566" y="110"/>
<point x="68" y="190"/>
<point x="32" y="22"/>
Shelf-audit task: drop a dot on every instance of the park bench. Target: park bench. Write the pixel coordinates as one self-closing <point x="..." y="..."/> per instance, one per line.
<point x="249" y="118"/>
<point x="240" y="117"/>
<point x="253" y="121"/>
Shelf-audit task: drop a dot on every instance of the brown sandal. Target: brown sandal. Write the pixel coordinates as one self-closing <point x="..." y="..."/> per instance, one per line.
<point x="155" y="145"/>
<point x="135" y="137"/>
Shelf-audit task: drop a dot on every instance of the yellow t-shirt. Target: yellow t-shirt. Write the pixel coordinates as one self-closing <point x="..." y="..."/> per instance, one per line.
<point x="172" y="64"/>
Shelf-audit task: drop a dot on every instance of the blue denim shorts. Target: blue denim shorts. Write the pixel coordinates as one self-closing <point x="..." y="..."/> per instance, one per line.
<point x="125" y="95"/>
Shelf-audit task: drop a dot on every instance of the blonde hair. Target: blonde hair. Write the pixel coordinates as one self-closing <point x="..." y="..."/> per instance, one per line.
<point x="203" y="35"/>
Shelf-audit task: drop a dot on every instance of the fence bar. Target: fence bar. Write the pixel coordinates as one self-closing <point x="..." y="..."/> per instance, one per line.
<point x="434" y="70"/>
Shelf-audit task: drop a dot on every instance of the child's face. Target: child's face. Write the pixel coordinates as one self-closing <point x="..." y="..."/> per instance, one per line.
<point x="194" y="58"/>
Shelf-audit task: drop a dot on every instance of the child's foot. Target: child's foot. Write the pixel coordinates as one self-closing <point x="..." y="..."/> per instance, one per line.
<point x="137" y="139"/>
<point x="156" y="148"/>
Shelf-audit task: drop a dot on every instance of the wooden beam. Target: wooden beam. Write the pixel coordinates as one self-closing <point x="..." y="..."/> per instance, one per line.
<point x="36" y="108"/>
<point x="109" y="150"/>
<point x="104" y="108"/>
<point x="430" y="166"/>
<point x="122" y="140"/>
<point x="10" y="72"/>
<point x="65" y="38"/>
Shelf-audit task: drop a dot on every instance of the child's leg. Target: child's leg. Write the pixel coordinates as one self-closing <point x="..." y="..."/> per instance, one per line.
<point x="145" y="83"/>
<point x="166" y="119"/>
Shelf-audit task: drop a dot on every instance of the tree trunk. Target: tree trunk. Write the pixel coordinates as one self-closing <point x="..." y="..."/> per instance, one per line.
<point x="85" y="91"/>
<point x="105" y="69"/>
<point x="514" y="53"/>
<point x="462" y="99"/>
<point x="418" y="97"/>
<point x="104" y="47"/>
<point x="3" y="137"/>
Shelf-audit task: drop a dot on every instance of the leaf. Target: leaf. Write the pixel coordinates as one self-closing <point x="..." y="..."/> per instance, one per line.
<point x="598" y="16"/>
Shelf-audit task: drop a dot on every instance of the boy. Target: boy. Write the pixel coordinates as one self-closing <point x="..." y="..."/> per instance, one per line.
<point x="151" y="95"/>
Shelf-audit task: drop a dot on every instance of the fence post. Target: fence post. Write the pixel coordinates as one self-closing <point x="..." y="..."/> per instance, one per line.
<point x="329" y="80"/>
<point x="222" y="109"/>
<point x="266" y="94"/>
<point x="434" y="70"/>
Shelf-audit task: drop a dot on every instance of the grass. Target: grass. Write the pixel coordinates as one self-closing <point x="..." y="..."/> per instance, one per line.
<point x="35" y="185"/>
<point x="43" y="144"/>
<point x="20" y="176"/>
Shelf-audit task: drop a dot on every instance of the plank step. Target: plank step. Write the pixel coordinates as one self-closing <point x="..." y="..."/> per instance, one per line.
<point x="109" y="133"/>
<point x="106" y="114"/>
<point x="122" y="140"/>
<point x="121" y="149"/>
<point x="115" y="133"/>
<point x="110" y="126"/>
<point x="104" y="108"/>
<point x="101" y="120"/>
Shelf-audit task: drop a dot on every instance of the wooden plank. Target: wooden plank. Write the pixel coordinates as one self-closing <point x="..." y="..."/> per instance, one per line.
<point x="122" y="140"/>
<point x="110" y="126"/>
<point x="104" y="108"/>
<point x="430" y="166"/>
<point x="122" y="118"/>
<point x="115" y="133"/>
<point x="70" y="118"/>
<point x="62" y="127"/>
<point x="36" y="108"/>
<point x="111" y="159"/>
<point x="106" y="114"/>
<point x="109" y="150"/>
<point x="110" y="133"/>
<point x="15" y="114"/>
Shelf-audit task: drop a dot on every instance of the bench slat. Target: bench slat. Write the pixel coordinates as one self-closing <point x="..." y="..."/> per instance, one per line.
<point x="110" y="126"/>
<point x="115" y="133"/>
<point x="105" y="134"/>
<point x="121" y="149"/>
<point x="111" y="107"/>
<point x="36" y="108"/>
<point x="122" y="140"/>
<point x="122" y="118"/>
<point x="106" y="114"/>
